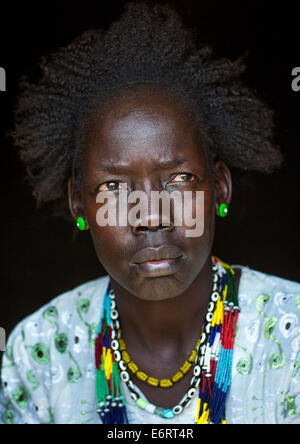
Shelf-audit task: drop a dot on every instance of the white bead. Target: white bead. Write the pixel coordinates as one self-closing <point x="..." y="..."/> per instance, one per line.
<point x="191" y="393"/>
<point x="215" y="286"/>
<point x="115" y="344"/>
<point x="214" y="296"/>
<point x="113" y="304"/>
<point x="198" y="360"/>
<point x="207" y="328"/>
<point x="209" y="317"/>
<point x="188" y="403"/>
<point x="116" y="324"/>
<point x="177" y="409"/>
<point x="117" y="355"/>
<point x="193" y="380"/>
<point x="112" y="294"/>
<point x="122" y="365"/>
<point x="203" y="337"/>
<point x="183" y="399"/>
<point x="211" y="306"/>
<point x="124" y="376"/>
<point x="133" y="396"/>
<point x="130" y="385"/>
<point x="215" y="278"/>
<point x="114" y="314"/>
<point x="197" y="370"/>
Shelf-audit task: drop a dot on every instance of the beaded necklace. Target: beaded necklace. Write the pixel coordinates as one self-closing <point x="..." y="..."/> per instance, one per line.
<point x="212" y="360"/>
<point x="155" y="382"/>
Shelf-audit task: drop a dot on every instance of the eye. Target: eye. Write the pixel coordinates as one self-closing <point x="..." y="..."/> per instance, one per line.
<point x="183" y="177"/>
<point x="111" y="185"/>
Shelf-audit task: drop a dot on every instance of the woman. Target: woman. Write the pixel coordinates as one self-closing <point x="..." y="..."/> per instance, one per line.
<point x="171" y="334"/>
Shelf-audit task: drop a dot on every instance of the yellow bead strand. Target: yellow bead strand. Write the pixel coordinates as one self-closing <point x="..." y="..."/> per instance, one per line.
<point x="155" y="382"/>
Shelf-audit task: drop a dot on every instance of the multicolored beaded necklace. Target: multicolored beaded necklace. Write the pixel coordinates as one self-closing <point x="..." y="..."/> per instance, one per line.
<point x="212" y="359"/>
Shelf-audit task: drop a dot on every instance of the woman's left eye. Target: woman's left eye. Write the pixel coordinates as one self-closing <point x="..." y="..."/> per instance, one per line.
<point x="184" y="177"/>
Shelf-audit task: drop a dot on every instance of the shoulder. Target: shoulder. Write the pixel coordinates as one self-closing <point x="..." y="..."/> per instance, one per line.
<point x="40" y="352"/>
<point x="93" y="291"/>
<point x="267" y="347"/>
<point x="61" y="309"/>
<point x="262" y="280"/>
<point x="80" y="305"/>
<point x="270" y="306"/>
<point x="262" y="289"/>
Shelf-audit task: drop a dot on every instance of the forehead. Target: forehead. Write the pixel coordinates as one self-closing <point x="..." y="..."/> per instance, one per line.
<point x="143" y="124"/>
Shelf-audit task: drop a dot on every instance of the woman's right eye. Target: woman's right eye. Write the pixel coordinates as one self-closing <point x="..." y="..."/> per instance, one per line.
<point x="111" y="185"/>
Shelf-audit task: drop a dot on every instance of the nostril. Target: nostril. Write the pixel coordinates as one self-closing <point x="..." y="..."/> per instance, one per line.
<point x="143" y="228"/>
<point x="140" y="228"/>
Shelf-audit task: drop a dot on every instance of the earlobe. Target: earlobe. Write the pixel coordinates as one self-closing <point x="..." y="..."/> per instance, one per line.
<point x="80" y="224"/>
<point x="223" y="187"/>
<point x="223" y="210"/>
<point x="75" y="207"/>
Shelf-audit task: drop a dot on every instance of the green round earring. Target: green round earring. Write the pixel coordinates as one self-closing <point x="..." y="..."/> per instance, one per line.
<point x="80" y="223"/>
<point x="223" y="210"/>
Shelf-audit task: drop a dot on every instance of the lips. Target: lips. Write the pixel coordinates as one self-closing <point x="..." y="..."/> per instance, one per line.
<point x="156" y="262"/>
<point x="151" y="254"/>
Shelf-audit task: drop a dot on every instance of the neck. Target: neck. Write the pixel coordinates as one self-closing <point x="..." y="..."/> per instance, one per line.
<point x="170" y="325"/>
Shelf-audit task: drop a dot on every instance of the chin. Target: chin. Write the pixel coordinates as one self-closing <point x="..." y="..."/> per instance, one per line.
<point x="159" y="288"/>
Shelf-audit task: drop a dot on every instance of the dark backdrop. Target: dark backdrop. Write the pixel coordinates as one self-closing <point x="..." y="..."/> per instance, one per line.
<point x="39" y="256"/>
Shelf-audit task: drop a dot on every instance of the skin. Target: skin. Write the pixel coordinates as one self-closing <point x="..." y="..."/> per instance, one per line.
<point x="161" y="317"/>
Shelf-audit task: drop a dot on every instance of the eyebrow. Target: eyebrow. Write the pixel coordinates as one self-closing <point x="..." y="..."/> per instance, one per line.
<point x="119" y="168"/>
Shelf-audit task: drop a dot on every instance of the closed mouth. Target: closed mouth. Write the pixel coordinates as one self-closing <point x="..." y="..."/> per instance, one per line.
<point x="157" y="262"/>
<point x="156" y="255"/>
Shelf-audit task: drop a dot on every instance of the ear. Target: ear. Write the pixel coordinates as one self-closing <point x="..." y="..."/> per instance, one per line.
<point x="223" y="184"/>
<point x="75" y="202"/>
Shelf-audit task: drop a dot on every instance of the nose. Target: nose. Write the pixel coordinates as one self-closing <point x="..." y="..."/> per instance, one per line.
<point x="153" y="220"/>
<point x="157" y="217"/>
<point x="144" y="228"/>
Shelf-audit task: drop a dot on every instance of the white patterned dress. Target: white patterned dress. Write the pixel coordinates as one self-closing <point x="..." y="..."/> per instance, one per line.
<point x="48" y="373"/>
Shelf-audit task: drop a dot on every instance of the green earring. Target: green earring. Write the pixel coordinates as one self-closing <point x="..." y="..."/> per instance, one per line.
<point x="223" y="210"/>
<point x="80" y="223"/>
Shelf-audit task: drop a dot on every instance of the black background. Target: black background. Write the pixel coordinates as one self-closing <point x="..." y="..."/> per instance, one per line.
<point x="39" y="256"/>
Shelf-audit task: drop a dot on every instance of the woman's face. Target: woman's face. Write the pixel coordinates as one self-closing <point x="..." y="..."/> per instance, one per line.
<point x="149" y="142"/>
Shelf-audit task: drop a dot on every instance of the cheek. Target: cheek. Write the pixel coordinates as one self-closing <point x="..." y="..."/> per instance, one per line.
<point x="111" y="245"/>
<point x="108" y="241"/>
<point x="199" y="209"/>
